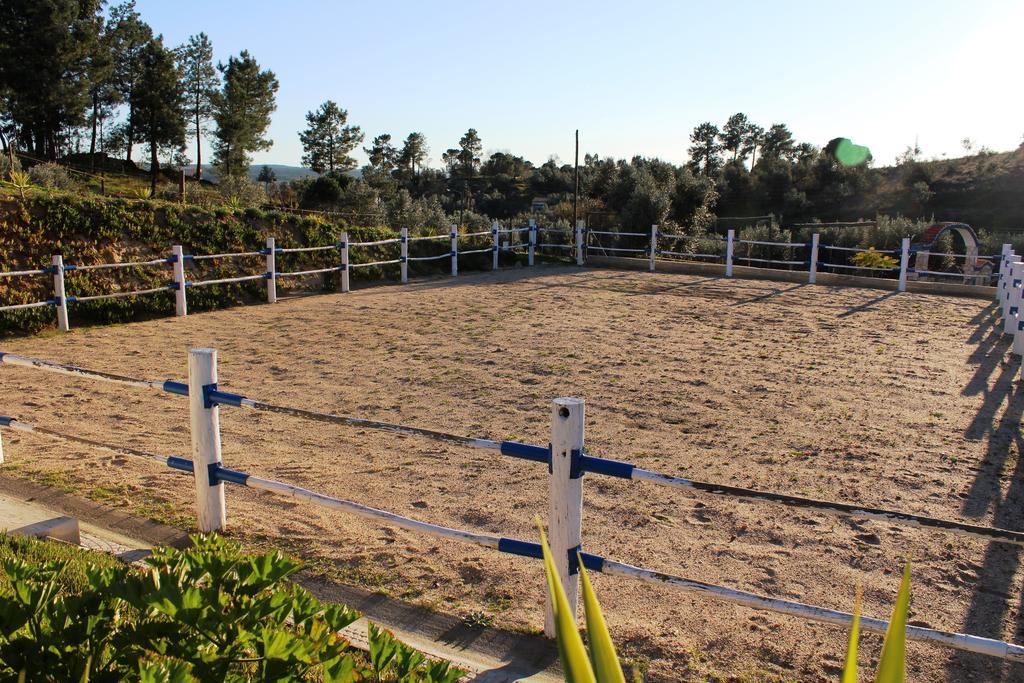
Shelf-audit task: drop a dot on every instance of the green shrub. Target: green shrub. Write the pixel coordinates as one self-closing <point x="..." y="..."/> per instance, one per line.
<point x="208" y="613"/>
<point x="51" y="176"/>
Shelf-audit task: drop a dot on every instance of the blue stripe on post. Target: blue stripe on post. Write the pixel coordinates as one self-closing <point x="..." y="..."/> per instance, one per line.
<point x="220" y="474"/>
<point x="526" y="451"/>
<point x="534" y="550"/>
<point x="225" y="398"/>
<point x="179" y="388"/>
<point x="176" y="463"/>
<point x="521" y="548"/>
<point x="609" y="468"/>
<point x="6" y="421"/>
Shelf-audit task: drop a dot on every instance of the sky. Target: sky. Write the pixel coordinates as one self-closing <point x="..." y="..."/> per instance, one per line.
<point x="633" y="77"/>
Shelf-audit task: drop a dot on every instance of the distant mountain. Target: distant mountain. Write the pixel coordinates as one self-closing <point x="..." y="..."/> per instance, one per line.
<point x="283" y="172"/>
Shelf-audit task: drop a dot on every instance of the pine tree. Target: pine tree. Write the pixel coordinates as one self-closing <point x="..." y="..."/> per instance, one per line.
<point x="195" y="59"/>
<point x="158" y="102"/>
<point x="327" y="139"/>
<point x="44" y="67"/>
<point x="777" y="143"/>
<point x="129" y="36"/>
<point x="733" y="134"/>
<point x="382" y="154"/>
<point x="470" y="150"/>
<point x="242" y="112"/>
<point x="414" y="153"/>
<point x="704" y="152"/>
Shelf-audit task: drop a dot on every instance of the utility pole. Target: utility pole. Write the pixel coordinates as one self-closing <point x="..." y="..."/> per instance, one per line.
<point x="576" y="191"/>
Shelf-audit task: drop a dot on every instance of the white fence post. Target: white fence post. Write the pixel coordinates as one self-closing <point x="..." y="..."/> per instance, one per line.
<point x="1013" y="290"/>
<point x="205" y="425"/>
<point x="729" y="246"/>
<point x="59" y="294"/>
<point x="1" y="447"/>
<point x="654" y="247"/>
<point x="812" y="275"/>
<point x="565" y="498"/>
<point x="344" y="262"/>
<point x="455" y="250"/>
<point x="904" y="262"/>
<point x="405" y="255"/>
<point x="532" y="234"/>
<point x="180" y="302"/>
<point x="1004" y="267"/>
<point x="579" y="243"/>
<point x="271" y="271"/>
<point x="495" y="245"/>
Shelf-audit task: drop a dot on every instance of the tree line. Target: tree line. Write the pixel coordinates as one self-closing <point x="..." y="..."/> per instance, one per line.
<point x="75" y="77"/>
<point x="68" y="72"/>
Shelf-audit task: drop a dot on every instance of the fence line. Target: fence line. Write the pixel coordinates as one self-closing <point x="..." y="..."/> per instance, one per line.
<point x="567" y="462"/>
<point x="579" y="244"/>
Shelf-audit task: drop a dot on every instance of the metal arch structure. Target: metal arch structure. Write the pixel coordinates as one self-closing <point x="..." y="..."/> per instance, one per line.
<point x="922" y="249"/>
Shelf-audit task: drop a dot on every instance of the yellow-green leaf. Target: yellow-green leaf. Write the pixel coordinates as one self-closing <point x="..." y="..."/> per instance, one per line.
<point x="575" y="664"/>
<point x="602" y="650"/>
<point x="850" y="670"/>
<point x="892" y="666"/>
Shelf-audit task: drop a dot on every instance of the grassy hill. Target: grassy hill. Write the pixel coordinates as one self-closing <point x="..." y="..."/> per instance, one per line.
<point x="985" y="190"/>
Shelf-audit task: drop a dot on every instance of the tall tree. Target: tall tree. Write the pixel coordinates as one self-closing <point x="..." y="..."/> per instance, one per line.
<point x="382" y="154"/>
<point x="328" y="139"/>
<point x="705" y="150"/>
<point x="242" y="112"/>
<point x="778" y="142"/>
<point x="414" y="153"/>
<point x="751" y="141"/>
<point x="129" y="36"/>
<point x="44" y="67"/>
<point x="734" y="132"/>
<point x="199" y="76"/>
<point x="159" y="103"/>
<point x="103" y="94"/>
<point x="470" y="150"/>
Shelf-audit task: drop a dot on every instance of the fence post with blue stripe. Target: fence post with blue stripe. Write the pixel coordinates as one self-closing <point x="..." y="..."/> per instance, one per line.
<point x="204" y="417"/>
<point x="495" y="244"/>
<point x="59" y="294"/>
<point x="812" y="273"/>
<point x="654" y="247"/>
<point x="271" y="271"/>
<point x="344" y="262"/>
<point x="904" y="262"/>
<point x="729" y="244"/>
<point x="533" y="242"/>
<point x="178" y="261"/>
<point x="455" y="250"/>
<point x="1004" y="261"/>
<point x="405" y="255"/>
<point x="565" y="499"/>
<point x="1013" y="293"/>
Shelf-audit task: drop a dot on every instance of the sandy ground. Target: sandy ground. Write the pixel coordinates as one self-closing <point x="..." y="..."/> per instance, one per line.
<point x="890" y="400"/>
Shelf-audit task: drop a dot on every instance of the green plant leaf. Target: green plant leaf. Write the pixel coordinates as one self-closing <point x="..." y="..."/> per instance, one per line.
<point x="602" y="650"/>
<point x="383" y="648"/>
<point x="575" y="664"/>
<point x="892" y="665"/>
<point x="850" y="669"/>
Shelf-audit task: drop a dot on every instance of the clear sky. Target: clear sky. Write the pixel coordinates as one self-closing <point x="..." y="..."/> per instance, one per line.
<point x="634" y="77"/>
